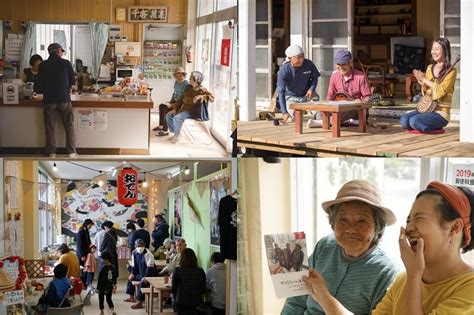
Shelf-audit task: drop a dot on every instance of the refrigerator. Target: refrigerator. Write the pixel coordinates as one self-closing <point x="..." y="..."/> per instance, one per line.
<point x="162" y="53"/>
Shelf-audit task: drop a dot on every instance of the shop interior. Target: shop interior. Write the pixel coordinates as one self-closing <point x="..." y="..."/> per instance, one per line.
<point x="124" y="62"/>
<point x="44" y="204"/>
<point x="300" y="186"/>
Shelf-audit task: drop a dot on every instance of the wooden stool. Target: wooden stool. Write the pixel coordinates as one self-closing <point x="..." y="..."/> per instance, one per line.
<point x="146" y="292"/>
<point x="135" y="286"/>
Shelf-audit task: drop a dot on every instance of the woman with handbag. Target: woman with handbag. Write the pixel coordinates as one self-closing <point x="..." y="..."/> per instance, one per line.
<point x="437" y="83"/>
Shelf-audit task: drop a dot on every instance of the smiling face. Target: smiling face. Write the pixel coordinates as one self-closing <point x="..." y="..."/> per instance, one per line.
<point x="179" y="77"/>
<point x="297" y="61"/>
<point x="437" y="52"/>
<point x="344" y="69"/>
<point x="424" y="221"/>
<point x="354" y="228"/>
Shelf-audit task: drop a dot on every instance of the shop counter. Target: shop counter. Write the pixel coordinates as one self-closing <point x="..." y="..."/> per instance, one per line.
<point x="109" y="126"/>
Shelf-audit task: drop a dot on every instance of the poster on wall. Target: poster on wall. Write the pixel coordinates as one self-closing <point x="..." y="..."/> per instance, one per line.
<point x="84" y="200"/>
<point x="463" y="175"/>
<point x="178" y="213"/>
<point x="218" y="192"/>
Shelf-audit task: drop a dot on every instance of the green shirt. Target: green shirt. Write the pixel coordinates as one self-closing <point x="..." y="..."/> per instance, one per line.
<point x="357" y="283"/>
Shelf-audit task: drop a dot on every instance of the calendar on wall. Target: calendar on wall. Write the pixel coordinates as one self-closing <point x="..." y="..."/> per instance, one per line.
<point x="13" y="49"/>
<point x="160" y="58"/>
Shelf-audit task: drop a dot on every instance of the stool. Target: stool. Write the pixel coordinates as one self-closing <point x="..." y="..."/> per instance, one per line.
<point x="135" y="286"/>
<point x="146" y="292"/>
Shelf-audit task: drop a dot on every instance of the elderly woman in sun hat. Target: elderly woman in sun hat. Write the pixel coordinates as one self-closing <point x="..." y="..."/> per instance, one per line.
<point x="347" y="267"/>
<point x="178" y="90"/>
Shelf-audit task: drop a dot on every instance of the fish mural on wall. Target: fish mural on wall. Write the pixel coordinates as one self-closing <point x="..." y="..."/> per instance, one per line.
<point x="84" y="200"/>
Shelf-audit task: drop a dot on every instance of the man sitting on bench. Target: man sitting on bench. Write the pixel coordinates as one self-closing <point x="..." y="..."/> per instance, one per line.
<point x="143" y="266"/>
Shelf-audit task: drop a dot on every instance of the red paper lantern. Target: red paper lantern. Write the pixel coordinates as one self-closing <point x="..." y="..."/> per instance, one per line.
<point x="127" y="186"/>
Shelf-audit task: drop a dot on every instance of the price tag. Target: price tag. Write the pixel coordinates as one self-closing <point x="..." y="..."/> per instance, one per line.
<point x="13" y="297"/>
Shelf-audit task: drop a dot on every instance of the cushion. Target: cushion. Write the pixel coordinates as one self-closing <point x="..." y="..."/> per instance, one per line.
<point x="433" y="132"/>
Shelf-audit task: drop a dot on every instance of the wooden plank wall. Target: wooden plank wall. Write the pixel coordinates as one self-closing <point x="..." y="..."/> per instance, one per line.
<point x="86" y="11"/>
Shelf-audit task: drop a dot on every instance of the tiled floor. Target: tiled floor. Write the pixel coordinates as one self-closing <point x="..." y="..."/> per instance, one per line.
<point x="121" y="307"/>
<point x="162" y="147"/>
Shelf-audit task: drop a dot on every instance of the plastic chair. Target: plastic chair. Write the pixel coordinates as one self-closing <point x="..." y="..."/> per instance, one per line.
<point x="76" y="308"/>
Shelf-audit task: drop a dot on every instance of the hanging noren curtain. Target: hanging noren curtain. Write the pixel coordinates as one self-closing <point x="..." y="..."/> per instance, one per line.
<point x="29" y="45"/>
<point x="99" y="38"/>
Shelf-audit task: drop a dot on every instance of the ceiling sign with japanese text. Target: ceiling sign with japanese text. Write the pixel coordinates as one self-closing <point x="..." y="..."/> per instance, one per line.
<point x="127" y="186"/>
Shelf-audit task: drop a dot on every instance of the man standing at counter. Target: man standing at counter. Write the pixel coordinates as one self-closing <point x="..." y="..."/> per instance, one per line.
<point x="54" y="80"/>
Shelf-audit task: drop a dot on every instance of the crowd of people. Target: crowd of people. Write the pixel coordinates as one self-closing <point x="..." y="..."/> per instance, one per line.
<point x="189" y="282"/>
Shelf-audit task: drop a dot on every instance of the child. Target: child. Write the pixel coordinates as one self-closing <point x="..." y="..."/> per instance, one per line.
<point x="107" y="282"/>
<point x="57" y="289"/>
<point x="89" y="266"/>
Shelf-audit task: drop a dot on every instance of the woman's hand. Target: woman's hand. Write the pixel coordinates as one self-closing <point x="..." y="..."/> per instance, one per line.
<point x="131" y="277"/>
<point x="413" y="259"/>
<point x="198" y="98"/>
<point x="419" y="75"/>
<point x="321" y="295"/>
<point x="317" y="284"/>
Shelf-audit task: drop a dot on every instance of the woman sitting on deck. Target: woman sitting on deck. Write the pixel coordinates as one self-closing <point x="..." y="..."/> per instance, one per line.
<point x="440" y="91"/>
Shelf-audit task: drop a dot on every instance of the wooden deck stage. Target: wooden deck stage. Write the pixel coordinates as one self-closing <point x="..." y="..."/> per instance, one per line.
<point x="390" y="142"/>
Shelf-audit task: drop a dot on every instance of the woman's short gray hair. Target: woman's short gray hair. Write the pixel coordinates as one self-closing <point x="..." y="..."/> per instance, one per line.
<point x="379" y="220"/>
<point x="197" y="76"/>
<point x="166" y="241"/>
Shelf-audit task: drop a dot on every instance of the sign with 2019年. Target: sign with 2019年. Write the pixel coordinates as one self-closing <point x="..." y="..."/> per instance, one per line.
<point x="463" y="175"/>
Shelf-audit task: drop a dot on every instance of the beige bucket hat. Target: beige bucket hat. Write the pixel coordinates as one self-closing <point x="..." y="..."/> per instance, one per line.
<point x="361" y="190"/>
<point x="6" y="283"/>
<point x="179" y="70"/>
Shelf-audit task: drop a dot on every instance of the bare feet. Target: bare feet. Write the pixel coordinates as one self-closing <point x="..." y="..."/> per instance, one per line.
<point x="286" y="116"/>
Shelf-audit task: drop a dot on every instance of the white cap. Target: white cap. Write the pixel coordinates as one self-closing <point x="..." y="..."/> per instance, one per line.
<point x="294" y="50"/>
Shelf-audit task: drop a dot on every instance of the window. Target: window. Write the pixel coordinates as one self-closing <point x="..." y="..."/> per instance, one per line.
<point x="74" y="38"/>
<point x="46" y="204"/>
<point x="214" y="44"/>
<point x="460" y="172"/>
<point x="397" y="179"/>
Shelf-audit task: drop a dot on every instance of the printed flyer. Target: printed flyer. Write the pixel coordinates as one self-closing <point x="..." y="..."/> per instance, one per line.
<point x="287" y="262"/>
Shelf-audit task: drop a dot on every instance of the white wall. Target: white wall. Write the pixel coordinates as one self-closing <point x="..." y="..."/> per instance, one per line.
<point x="467" y="46"/>
<point x="275" y="218"/>
<point x="2" y="210"/>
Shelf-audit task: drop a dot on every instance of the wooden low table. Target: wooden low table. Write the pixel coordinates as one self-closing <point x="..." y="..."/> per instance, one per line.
<point x="335" y="108"/>
<point x="157" y="284"/>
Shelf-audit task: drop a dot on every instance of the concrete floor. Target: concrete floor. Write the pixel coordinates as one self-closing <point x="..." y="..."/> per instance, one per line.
<point x="121" y="307"/>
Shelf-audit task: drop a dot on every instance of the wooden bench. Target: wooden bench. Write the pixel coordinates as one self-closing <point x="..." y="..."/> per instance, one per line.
<point x="135" y="286"/>
<point x="333" y="108"/>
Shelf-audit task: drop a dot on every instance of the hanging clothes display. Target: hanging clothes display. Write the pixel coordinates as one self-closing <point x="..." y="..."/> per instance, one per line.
<point x="227" y="221"/>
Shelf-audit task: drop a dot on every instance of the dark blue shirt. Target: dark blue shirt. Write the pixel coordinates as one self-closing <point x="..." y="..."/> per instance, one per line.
<point x="54" y="80"/>
<point x="296" y="81"/>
